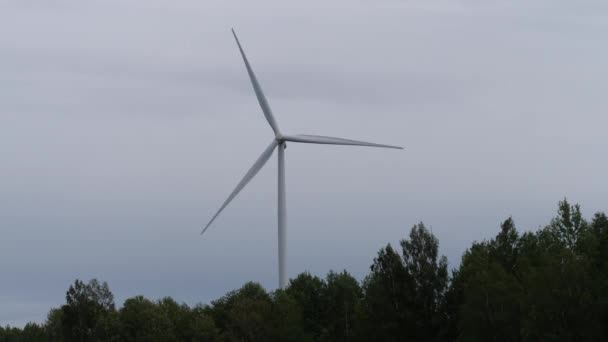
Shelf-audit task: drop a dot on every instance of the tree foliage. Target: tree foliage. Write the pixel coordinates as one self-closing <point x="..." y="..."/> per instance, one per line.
<point x="545" y="285"/>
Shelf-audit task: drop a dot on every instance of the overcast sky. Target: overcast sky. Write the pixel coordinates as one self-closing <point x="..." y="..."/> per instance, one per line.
<point x="125" y="124"/>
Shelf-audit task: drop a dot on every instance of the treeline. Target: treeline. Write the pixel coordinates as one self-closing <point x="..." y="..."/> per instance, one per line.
<point x="547" y="285"/>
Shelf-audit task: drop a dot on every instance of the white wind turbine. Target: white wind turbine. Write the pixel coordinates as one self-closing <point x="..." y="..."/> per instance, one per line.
<point x="280" y="141"/>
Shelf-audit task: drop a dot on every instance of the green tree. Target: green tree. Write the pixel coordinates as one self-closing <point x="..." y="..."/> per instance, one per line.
<point x="539" y="286"/>
<point x="343" y="307"/>
<point x="388" y="296"/>
<point x="545" y="285"/>
<point x="179" y="316"/>
<point x="10" y="334"/>
<point x="309" y="292"/>
<point x="558" y="298"/>
<point x="404" y="294"/>
<point x="599" y="231"/>
<point x="202" y="326"/>
<point x="286" y="320"/>
<point x="504" y="247"/>
<point x="143" y="320"/>
<point x="569" y="224"/>
<point x="53" y="325"/>
<point x="490" y="308"/>
<point x="85" y="315"/>
<point x="489" y="290"/>
<point x="244" y="314"/>
<point x="430" y="278"/>
<point x="33" y="332"/>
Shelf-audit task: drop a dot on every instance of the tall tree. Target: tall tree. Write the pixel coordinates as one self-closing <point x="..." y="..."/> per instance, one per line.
<point x="33" y="332"/>
<point x="504" y="246"/>
<point x="569" y="224"/>
<point x="85" y="315"/>
<point x="343" y="306"/>
<point x="244" y="314"/>
<point x="490" y="310"/>
<point x="537" y="286"/>
<point x="143" y="320"/>
<point x="53" y="325"/>
<point x="404" y="294"/>
<point x="388" y="297"/>
<point x="429" y="273"/>
<point x="202" y="326"/>
<point x="310" y="294"/>
<point x="286" y="320"/>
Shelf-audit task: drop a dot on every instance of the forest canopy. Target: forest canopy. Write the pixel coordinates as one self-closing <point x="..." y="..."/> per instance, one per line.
<point x="544" y="285"/>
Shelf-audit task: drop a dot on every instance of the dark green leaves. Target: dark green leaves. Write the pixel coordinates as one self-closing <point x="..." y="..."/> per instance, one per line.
<point x="549" y="284"/>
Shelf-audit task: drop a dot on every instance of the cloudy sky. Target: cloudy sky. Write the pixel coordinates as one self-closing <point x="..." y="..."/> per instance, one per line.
<point x="125" y="124"/>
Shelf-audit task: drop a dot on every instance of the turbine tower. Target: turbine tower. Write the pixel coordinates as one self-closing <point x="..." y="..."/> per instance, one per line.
<point x="279" y="141"/>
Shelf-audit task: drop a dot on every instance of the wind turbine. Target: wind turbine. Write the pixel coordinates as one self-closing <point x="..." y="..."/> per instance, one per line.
<point x="279" y="140"/>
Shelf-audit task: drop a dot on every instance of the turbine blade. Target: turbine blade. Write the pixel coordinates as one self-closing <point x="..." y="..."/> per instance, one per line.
<point x="258" y="89"/>
<point x="319" y="139"/>
<point x="248" y="176"/>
